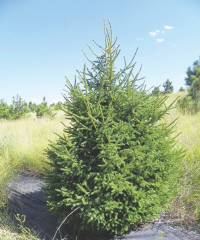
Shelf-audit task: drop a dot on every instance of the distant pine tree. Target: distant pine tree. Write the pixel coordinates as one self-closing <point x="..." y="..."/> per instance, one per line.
<point x="19" y="108"/>
<point x="43" y="110"/>
<point x="32" y="106"/>
<point x="156" y="91"/>
<point x="182" y="89"/>
<point x="58" y="106"/>
<point x="191" y="102"/>
<point x="4" y="110"/>
<point x="193" y="82"/>
<point x="168" y="88"/>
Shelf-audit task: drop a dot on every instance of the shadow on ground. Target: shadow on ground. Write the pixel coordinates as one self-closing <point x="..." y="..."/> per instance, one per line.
<point x="27" y="198"/>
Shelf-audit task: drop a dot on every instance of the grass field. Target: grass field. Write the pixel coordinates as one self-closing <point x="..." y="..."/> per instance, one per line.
<point x="187" y="204"/>
<point x="22" y="145"/>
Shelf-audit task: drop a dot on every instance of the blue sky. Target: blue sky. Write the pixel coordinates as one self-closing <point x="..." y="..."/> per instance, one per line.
<point x="41" y="41"/>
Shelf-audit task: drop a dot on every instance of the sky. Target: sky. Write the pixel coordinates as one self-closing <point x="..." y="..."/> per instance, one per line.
<point x="41" y="42"/>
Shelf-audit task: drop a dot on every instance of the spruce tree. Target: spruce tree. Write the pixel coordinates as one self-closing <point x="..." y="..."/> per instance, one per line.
<point x="19" y="108"/>
<point x="4" y="110"/>
<point x="115" y="161"/>
<point x="191" y="102"/>
<point x="43" y="110"/>
<point x="182" y="89"/>
<point x="193" y="82"/>
<point x="168" y="88"/>
<point x="58" y="106"/>
<point x="32" y="107"/>
<point x="156" y="91"/>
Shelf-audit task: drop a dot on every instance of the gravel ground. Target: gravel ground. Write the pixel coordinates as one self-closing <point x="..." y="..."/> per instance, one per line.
<point x="26" y="197"/>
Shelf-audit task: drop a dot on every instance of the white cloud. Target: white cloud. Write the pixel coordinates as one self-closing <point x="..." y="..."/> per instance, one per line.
<point x="163" y="31"/>
<point x="183" y="76"/>
<point x="153" y="34"/>
<point x="157" y="31"/>
<point x="160" y="40"/>
<point x="168" y="27"/>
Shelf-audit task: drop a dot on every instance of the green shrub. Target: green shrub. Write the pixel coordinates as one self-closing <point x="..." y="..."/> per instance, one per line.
<point x="43" y="110"/>
<point x="156" y="91"/>
<point x="116" y="161"/>
<point x="4" y="110"/>
<point x="58" y="106"/>
<point x="187" y="105"/>
<point x="18" y="109"/>
<point x="32" y="107"/>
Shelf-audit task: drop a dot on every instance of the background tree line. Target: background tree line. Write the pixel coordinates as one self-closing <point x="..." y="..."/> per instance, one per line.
<point x="20" y="108"/>
<point x="168" y="89"/>
<point x="190" y="103"/>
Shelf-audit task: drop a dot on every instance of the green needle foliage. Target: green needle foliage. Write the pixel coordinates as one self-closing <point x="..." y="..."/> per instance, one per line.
<point x="116" y="161"/>
<point x="191" y="102"/>
<point x="15" y="111"/>
<point x="168" y="88"/>
<point x="43" y="110"/>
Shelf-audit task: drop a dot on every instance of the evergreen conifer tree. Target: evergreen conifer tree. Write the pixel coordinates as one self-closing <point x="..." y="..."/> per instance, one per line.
<point x="191" y="102"/>
<point x="193" y="82"/>
<point x="115" y="162"/>
<point x="156" y="91"/>
<point x="4" y="110"/>
<point x="19" y="108"/>
<point x="57" y="106"/>
<point x="43" y="110"/>
<point x="16" y="110"/>
<point x="182" y="89"/>
<point x="32" y="106"/>
<point x="168" y="88"/>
